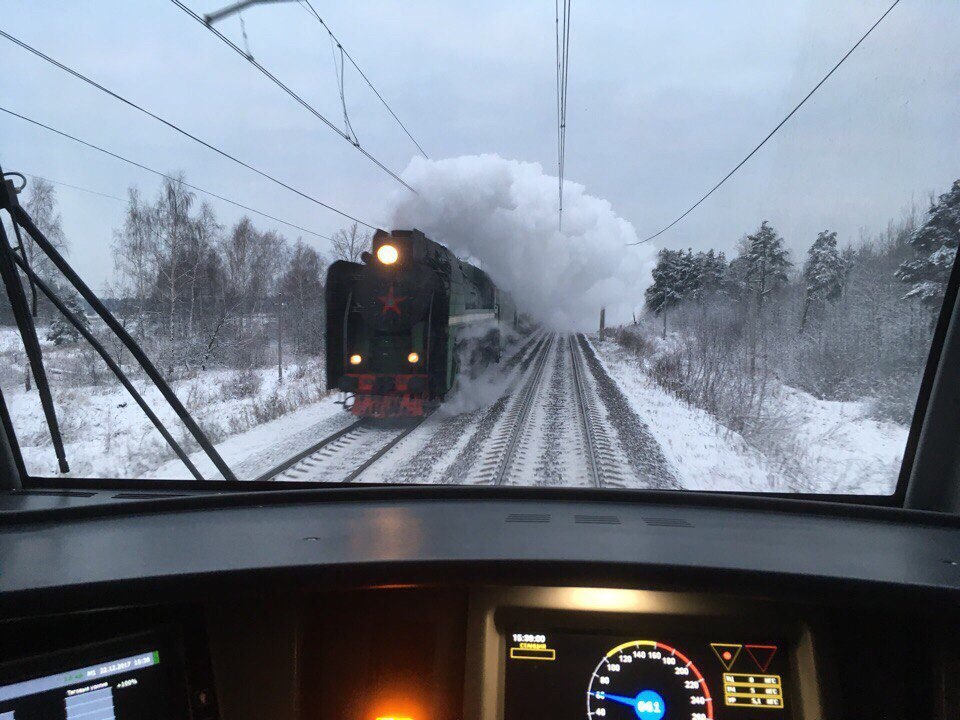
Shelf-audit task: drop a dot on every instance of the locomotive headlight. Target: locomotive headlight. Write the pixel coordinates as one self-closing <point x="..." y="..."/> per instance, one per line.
<point x="413" y="358"/>
<point x="387" y="254"/>
<point x="355" y="359"/>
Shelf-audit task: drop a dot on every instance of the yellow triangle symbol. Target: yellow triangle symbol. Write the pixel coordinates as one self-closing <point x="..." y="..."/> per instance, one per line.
<point x="726" y="653"/>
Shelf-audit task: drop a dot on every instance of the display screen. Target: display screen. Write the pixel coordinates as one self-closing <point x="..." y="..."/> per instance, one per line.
<point x="571" y="676"/>
<point x="133" y="679"/>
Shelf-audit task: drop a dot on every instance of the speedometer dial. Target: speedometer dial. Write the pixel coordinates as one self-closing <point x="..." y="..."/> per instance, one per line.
<point x="648" y="680"/>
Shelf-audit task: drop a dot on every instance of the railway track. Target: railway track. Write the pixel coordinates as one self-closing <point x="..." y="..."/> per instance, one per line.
<point x="605" y="460"/>
<point x="342" y="456"/>
<point x="364" y="442"/>
<point x="516" y="449"/>
<point x="555" y="397"/>
<point x="496" y="455"/>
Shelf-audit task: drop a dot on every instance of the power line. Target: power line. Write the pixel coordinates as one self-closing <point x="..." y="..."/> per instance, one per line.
<point x="279" y="83"/>
<point x="158" y="173"/>
<point x="772" y="132"/>
<point x="338" y="76"/>
<point x="308" y="6"/>
<point x="172" y="126"/>
<point x="556" y="20"/>
<point x="563" y="63"/>
<point x="73" y="187"/>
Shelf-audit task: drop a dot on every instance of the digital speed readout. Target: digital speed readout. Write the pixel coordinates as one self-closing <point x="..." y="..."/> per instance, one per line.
<point x="566" y="675"/>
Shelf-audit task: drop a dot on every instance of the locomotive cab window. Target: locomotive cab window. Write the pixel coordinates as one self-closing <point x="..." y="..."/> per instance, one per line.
<point x="742" y="311"/>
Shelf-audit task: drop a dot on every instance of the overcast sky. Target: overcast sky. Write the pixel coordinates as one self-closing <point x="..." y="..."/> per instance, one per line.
<point x="664" y="99"/>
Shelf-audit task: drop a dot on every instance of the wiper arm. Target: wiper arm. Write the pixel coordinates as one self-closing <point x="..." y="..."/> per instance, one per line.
<point x="31" y="343"/>
<point x="111" y="363"/>
<point x="20" y="217"/>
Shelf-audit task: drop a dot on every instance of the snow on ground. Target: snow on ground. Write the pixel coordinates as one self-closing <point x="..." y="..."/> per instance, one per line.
<point x="106" y="434"/>
<point x="840" y="448"/>
<point x="256" y="423"/>
<point x="253" y="452"/>
<point x="703" y="454"/>
<point x="819" y="446"/>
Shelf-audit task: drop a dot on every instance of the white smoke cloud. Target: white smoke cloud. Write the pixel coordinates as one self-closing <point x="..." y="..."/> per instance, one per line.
<point x="503" y="213"/>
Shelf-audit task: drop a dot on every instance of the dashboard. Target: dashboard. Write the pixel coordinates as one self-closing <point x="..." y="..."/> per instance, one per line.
<point x="358" y="613"/>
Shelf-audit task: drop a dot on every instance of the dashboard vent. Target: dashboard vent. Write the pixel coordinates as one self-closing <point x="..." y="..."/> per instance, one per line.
<point x="57" y="493"/>
<point x="145" y="495"/>
<point x="528" y="518"/>
<point x="596" y="519"/>
<point x="666" y="522"/>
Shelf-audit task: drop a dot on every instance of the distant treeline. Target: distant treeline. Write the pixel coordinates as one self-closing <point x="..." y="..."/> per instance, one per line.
<point x="840" y="323"/>
<point x="193" y="292"/>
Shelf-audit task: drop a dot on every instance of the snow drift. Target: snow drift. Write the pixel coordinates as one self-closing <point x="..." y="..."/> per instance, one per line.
<point x="503" y="214"/>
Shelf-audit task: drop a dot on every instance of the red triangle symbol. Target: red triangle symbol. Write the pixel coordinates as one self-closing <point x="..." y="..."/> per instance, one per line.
<point x="761" y="654"/>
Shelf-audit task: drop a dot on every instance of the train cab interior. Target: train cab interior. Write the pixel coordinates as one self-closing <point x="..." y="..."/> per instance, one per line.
<point x="543" y="541"/>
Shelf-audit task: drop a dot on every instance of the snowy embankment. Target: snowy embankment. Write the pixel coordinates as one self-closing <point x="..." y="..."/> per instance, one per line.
<point x="818" y="446"/>
<point x="106" y="434"/>
<point x="703" y="454"/>
<point x="839" y="448"/>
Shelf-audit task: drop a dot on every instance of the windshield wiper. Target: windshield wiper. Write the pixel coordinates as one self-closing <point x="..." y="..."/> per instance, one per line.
<point x="8" y="264"/>
<point x="28" y="334"/>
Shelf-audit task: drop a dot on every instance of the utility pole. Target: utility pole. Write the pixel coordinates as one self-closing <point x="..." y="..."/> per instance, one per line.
<point x="280" y="337"/>
<point x="603" y="322"/>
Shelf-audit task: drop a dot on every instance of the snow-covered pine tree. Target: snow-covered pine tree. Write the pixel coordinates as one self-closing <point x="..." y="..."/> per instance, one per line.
<point x="713" y="268"/>
<point x="690" y="277"/>
<point x="61" y="330"/>
<point x="667" y="288"/>
<point x="766" y="262"/>
<point x="935" y="244"/>
<point x="824" y="274"/>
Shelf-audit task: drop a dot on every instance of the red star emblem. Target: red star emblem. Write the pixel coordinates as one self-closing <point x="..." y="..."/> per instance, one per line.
<point x="391" y="303"/>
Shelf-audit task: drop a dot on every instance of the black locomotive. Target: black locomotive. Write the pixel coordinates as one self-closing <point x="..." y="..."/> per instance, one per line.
<point x="401" y="323"/>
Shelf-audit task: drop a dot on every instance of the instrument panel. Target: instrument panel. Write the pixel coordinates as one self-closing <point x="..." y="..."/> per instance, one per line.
<point x="599" y="676"/>
<point x="603" y="654"/>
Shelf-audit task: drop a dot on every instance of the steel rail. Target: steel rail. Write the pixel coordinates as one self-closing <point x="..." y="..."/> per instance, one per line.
<point x="312" y="450"/>
<point x="586" y="420"/>
<point x="384" y="450"/>
<point x="520" y="416"/>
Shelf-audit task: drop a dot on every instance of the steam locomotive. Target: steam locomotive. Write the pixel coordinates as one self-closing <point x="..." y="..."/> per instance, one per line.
<point x="403" y="322"/>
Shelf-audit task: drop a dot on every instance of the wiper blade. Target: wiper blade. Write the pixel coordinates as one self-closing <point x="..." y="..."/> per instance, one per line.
<point x="20" y="217"/>
<point x="111" y="363"/>
<point x="28" y="334"/>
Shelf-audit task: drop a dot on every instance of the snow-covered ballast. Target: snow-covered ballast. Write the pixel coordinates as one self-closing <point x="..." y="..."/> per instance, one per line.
<point x="401" y="321"/>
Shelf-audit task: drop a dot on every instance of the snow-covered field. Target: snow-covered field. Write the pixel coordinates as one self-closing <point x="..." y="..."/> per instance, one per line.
<point x="107" y="435"/>
<point x="257" y="423"/>
<point x="819" y="446"/>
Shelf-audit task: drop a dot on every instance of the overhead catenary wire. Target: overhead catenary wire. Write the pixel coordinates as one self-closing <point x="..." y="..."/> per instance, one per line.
<point x="178" y="129"/>
<point x="158" y="173"/>
<point x="338" y="76"/>
<point x="563" y="62"/>
<point x="774" y="131"/>
<point x="73" y="187"/>
<point x="308" y="6"/>
<point x="279" y="83"/>
<point x="556" y="19"/>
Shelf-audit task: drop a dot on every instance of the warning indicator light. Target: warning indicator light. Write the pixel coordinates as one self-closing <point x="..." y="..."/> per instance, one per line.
<point x="761" y="654"/>
<point x="726" y="653"/>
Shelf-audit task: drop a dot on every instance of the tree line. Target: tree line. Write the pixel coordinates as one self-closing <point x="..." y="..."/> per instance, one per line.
<point x="841" y="323"/>
<point x="195" y="293"/>
<point x="203" y="294"/>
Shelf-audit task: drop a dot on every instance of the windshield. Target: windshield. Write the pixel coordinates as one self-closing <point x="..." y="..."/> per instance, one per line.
<point x="281" y="242"/>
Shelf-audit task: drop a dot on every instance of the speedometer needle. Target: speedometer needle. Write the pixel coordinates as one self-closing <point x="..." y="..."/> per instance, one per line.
<point x="631" y="701"/>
